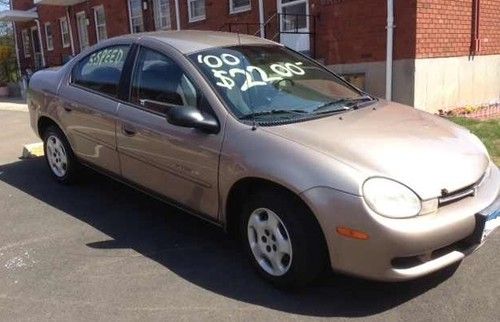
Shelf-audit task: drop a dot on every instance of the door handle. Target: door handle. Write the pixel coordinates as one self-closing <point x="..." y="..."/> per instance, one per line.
<point x="67" y="108"/>
<point x="128" y="130"/>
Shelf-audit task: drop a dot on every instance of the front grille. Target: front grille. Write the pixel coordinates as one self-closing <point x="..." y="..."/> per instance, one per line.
<point x="447" y="198"/>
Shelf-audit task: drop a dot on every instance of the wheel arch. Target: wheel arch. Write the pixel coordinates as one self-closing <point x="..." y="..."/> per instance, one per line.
<point x="242" y="188"/>
<point x="45" y="122"/>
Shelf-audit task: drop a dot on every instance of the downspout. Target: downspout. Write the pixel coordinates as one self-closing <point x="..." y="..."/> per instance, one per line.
<point x="476" y="42"/>
<point x="40" y="41"/>
<point x="70" y="33"/>
<point x="177" y="15"/>
<point x="390" y="44"/>
<point x="261" y="19"/>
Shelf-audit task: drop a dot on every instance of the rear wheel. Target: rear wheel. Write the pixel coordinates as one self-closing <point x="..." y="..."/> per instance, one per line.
<point x="282" y="238"/>
<point x="59" y="156"/>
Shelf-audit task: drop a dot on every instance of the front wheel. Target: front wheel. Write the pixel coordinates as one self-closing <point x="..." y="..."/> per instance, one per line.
<point x="282" y="238"/>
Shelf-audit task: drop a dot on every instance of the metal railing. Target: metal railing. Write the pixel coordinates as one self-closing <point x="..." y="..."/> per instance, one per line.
<point x="276" y="25"/>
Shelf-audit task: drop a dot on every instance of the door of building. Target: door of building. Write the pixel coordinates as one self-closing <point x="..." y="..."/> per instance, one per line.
<point x="295" y="24"/>
<point x="83" y="32"/>
<point x="162" y="14"/>
<point x="37" y="51"/>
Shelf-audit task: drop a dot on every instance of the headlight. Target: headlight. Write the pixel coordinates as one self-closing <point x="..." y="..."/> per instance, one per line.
<point x="390" y="198"/>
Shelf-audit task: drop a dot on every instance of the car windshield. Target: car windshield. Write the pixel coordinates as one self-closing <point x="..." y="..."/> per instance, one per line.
<point x="272" y="83"/>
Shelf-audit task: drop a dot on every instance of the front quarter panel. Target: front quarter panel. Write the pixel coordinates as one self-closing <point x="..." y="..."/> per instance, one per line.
<point x="260" y="154"/>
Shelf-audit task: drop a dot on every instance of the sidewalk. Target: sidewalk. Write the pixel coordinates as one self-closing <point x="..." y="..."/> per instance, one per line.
<point x="13" y="104"/>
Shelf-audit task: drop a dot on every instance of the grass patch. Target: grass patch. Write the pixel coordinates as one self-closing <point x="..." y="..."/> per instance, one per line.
<point x="487" y="131"/>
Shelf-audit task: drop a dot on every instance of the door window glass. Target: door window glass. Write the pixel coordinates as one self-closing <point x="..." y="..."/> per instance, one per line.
<point x="26" y="43"/>
<point x="100" y="23"/>
<point x="136" y="18"/>
<point x="159" y="82"/>
<point x="294" y="15"/>
<point x="65" y="37"/>
<point x="162" y="14"/>
<point x="101" y="71"/>
<point x="83" y="32"/>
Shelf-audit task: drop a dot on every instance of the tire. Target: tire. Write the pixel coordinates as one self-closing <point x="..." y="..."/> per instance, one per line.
<point x="271" y="219"/>
<point x="59" y="156"/>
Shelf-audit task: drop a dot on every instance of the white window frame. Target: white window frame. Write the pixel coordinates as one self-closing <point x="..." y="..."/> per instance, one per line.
<point x="26" y="43"/>
<point x="49" y="41"/>
<point x="61" y="22"/>
<point x="233" y="9"/>
<point x="131" y="18"/>
<point x="190" y="14"/>
<point x="105" y="25"/>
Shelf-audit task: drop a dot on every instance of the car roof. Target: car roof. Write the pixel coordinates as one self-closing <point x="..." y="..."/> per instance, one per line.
<point x="190" y="41"/>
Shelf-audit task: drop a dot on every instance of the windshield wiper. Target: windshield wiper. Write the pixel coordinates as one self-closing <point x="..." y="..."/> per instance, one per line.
<point x="273" y="112"/>
<point x="346" y="104"/>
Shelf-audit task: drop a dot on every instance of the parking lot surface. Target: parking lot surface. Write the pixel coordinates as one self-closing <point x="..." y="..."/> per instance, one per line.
<point x="99" y="250"/>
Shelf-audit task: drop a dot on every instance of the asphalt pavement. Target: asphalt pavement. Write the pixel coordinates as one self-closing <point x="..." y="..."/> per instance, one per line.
<point x="99" y="250"/>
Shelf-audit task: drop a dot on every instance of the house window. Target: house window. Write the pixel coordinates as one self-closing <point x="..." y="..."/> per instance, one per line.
<point x="66" y="41"/>
<point x="162" y="14"/>
<point x="26" y="42"/>
<point x="100" y="23"/>
<point x="236" y="6"/>
<point x="136" y="19"/>
<point x="49" y="37"/>
<point x="196" y="10"/>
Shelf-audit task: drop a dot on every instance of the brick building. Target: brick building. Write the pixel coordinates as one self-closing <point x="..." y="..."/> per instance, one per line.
<point x="446" y="53"/>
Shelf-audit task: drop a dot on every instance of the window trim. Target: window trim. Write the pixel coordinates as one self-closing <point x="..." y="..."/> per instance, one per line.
<point x="234" y="10"/>
<point x="96" y="25"/>
<point x="192" y="18"/>
<point x="61" y="21"/>
<point x="50" y="47"/>
<point x="26" y="42"/>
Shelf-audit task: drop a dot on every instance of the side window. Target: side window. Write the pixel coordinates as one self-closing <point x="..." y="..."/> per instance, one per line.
<point x="159" y="82"/>
<point x="101" y="71"/>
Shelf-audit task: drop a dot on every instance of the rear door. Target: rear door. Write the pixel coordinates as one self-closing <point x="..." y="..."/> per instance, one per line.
<point x="177" y="162"/>
<point x="90" y="103"/>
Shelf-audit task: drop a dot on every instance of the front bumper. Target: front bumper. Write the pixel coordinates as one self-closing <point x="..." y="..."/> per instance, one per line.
<point x="402" y="249"/>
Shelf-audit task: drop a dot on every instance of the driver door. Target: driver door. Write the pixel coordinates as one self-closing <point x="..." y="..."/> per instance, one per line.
<point x="176" y="162"/>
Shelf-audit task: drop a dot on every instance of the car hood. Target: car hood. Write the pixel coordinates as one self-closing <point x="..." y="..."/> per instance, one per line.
<point x="423" y="151"/>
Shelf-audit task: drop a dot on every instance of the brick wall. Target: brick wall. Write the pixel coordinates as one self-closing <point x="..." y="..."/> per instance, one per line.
<point x="346" y="30"/>
<point x="489" y="23"/>
<point x="218" y="15"/>
<point x="444" y="27"/>
<point x="117" y="21"/>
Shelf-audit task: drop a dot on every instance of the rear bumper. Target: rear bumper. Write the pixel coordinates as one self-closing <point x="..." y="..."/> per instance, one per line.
<point x="402" y="249"/>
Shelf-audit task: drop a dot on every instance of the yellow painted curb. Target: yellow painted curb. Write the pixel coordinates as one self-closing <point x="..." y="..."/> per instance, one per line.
<point x="33" y="150"/>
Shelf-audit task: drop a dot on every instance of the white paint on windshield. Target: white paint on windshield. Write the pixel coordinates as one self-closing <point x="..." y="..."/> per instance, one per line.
<point x="253" y="75"/>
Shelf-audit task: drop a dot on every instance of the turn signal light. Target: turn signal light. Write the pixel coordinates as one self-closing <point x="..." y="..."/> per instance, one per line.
<point x="352" y="233"/>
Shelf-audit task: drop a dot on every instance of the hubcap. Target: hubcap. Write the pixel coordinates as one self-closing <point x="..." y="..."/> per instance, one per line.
<point x="56" y="155"/>
<point x="269" y="241"/>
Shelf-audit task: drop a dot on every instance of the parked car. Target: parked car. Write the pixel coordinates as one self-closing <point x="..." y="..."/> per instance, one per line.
<point x="309" y="171"/>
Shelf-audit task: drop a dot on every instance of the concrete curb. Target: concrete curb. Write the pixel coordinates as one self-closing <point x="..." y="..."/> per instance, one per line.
<point x="12" y="107"/>
<point x="33" y="150"/>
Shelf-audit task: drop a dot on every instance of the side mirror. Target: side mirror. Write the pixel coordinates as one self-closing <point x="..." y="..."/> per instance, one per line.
<point x="191" y="117"/>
